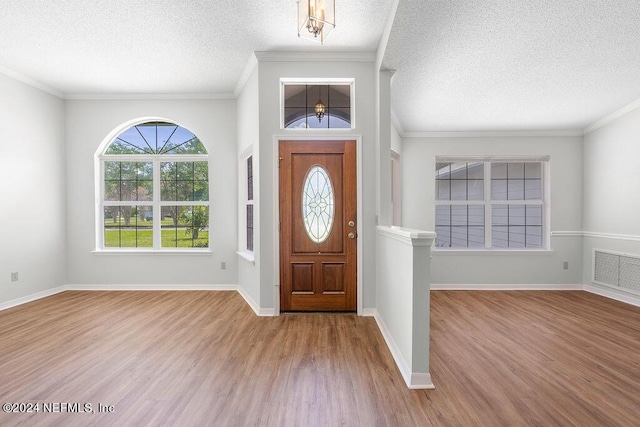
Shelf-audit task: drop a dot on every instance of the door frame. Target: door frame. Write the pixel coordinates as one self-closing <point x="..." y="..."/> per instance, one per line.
<point x="276" y="209"/>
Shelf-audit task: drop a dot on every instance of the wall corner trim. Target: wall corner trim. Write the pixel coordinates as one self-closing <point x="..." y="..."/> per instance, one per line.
<point x="414" y="380"/>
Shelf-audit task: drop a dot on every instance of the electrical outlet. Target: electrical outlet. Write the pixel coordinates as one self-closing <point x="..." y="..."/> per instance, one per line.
<point x="14" y="276"/>
<point x="223" y="266"/>
<point x="565" y="265"/>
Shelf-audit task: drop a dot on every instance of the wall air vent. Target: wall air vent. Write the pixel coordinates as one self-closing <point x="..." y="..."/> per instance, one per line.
<point x="620" y="271"/>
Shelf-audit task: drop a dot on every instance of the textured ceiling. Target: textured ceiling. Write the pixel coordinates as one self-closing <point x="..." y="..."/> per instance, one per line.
<point x="513" y="64"/>
<point x="463" y="65"/>
<point x="165" y="46"/>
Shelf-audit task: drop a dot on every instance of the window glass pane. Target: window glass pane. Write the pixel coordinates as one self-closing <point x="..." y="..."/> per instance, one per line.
<point x="476" y="237"/>
<point x="443" y="215"/>
<point x="515" y="189"/>
<point x="515" y="170"/>
<point x="516" y="237"/>
<point x="475" y="189"/>
<point x="295" y="117"/>
<point x="443" y="169"/>
<point x="156" y="138"/>
<point x="340" y="95"/>
<point x="500" y="214"/>
<point x="443" y="236"/>
<point x="250" y="178"/>
<point x="475" y="170"/>
<point x="250" y="227"/>
<point x="458" y="189"/>
<point x="516" y="215"/>
<point x="128" y="227"/>
<point x="534" y="215"/>
<point x="295" y="95"/>
<point x="534" y="237"/>
<point x="314" y="123"/>
<point x="179" y="183"/>
<point x="498" y="189"/>
<point x="443" y="189"/>
<point x="185" y="227"/>
<point x="533" y="170"/>
<point x="498" y="171"/>
<point x="499" y="236"/>
<point x="339" y="118"/>
<point x="300" y="102"/>
<point x="317" y="204"/>
<point x="128" y="181"/>
<point x="476" y="215"/>
<point x="516" y="226"/>
<point x="533" y="189"/>
<point x="458" y="215"/>
<point x="459" y="226"/>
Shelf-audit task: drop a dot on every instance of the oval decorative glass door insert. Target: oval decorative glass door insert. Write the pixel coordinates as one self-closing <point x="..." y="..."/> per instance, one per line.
<point x="317" y="204"/>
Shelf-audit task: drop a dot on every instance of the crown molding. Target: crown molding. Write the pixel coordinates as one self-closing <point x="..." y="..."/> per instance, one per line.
<point x="491" y="134"/>
<point x="307" y="56"/>
<point x="613" y="116"/>
<point x="31" y="82"/>
<point x="143" y="96"/>
<point x="246" y="73"/>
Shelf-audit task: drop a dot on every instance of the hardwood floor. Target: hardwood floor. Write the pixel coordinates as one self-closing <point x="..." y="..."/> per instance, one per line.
<point x="204" y="358"/>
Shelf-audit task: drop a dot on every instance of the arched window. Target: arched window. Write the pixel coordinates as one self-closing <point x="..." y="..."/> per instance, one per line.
<point x="154" y="189"/>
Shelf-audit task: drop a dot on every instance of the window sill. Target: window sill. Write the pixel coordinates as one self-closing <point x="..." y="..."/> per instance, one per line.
<point x="247" y="256"/>
<point x="441" y="251"/>
<point x="191" y="252"/>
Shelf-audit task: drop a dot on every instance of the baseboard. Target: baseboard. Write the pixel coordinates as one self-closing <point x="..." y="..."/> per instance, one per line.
<point x="150" y="287"/>
<point x="33" y="297"/>
<point x="614" y="294"/>
<point x="368" y="312"/>
<point x="506" y="287"/>
<point x="263" y="312"/>
<point x="414" y="380"/>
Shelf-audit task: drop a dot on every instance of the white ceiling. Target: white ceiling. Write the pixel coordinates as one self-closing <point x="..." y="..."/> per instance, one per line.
<point x="462" y="65"/>
<point x="510" y="65"/>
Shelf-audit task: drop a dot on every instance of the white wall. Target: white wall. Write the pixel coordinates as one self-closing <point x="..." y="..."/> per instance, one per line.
<point x="612" y="189"/>
<point x="33" y="234"/>
<point x="270" y="72"/>
<point x="418" y="189"/>
<point x="403" y="299"/>
<point x="248" y="141"/>
<point x="88" y="122"/>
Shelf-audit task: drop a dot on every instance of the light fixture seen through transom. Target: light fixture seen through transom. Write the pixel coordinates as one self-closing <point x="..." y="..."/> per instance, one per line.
<point x="316" y="19"/>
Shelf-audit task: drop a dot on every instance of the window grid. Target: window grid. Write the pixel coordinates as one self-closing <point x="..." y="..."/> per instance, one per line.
<point x="522" y="207"/>
<point x="300" y="100"/>
<point x="249" y="205"/>
<point x="144" y="213"/>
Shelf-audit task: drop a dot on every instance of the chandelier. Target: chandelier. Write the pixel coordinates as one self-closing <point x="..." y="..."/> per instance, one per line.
<point x="316" y="19"/>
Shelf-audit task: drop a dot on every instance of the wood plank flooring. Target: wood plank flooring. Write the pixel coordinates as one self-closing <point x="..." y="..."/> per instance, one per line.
<point x="203" y="358"/>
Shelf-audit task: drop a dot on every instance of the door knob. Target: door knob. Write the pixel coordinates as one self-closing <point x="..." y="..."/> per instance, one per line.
<point x="351" y="223"/>
<point x="351" y="235"/>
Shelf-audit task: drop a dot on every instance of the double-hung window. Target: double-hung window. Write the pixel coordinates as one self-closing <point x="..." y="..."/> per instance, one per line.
<point x="154" y="190"/>
<point x="492" y="203"/>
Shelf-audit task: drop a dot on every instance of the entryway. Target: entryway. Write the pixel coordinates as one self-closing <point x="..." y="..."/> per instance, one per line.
<point x="318" y="230"/>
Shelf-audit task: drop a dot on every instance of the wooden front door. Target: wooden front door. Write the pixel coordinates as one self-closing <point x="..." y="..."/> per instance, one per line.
<point x="318" y="226"/>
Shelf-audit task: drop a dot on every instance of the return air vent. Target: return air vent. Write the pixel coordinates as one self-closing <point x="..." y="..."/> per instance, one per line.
<point x="617" y="270"/>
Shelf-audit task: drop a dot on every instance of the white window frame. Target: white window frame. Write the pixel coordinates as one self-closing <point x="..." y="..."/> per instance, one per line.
<point x="156" y="203"/>
<point x="318" y="81"/>
<point x="243" y="198"/>
<point x="488" y="203"/>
